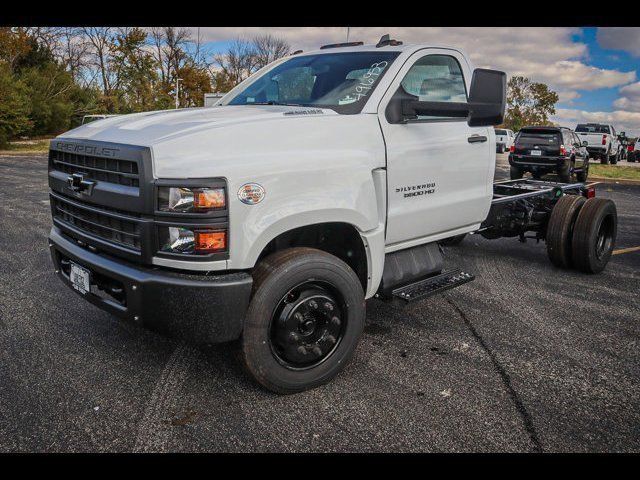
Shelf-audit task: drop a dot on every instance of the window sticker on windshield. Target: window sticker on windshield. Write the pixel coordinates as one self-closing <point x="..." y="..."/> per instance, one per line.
<point x="363" y="87"/>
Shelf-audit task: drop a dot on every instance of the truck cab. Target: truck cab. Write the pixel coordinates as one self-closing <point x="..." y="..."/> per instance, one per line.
<point x="324" y="179"/>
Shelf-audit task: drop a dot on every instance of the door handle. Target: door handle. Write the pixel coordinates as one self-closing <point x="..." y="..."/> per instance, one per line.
<point x="477" y="138"/>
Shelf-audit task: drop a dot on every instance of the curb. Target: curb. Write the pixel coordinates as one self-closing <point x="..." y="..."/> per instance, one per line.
<point x="9" y="153"/>
<point x="614" y="181"/>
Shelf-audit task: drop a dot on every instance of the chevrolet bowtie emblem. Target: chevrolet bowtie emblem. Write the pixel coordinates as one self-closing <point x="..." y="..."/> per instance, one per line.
<point x="78" y="184"/>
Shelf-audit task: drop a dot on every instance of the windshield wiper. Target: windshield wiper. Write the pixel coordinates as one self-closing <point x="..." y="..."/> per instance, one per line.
<point x="271" y="102"/>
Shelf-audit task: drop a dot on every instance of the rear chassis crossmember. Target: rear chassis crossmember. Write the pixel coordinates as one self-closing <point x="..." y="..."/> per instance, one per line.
<point x="525" y="205"/>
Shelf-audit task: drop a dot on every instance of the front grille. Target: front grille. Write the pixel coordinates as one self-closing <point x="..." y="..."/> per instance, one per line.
<point x="111" y="170"/>
<point x="106" y="225"/>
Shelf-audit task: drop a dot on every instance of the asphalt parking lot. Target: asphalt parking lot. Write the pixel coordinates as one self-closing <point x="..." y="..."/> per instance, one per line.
<point x="526" y="358"/>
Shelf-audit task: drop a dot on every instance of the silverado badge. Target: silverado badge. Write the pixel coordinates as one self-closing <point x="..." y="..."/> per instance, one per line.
<point x="251" y="193"/>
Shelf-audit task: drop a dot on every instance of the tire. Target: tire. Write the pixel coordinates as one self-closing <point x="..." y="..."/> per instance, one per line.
<point x="515" y="173"/>
<point x="614" y="158"/>
<point x="565" y="172"/>
<point x="560" y="229"/>
<point x="604" y="159"/>
<point x="582" y="175"/>
<point x="452" y="241"/>
<point x="285" y="285"/>
<point x="502" y="149"/>
<point x="594" y="235"/>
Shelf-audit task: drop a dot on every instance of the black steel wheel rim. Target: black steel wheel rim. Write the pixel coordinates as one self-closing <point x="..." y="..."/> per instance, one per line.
<point x="307" y="325"/>
<point x="604" y="238"/>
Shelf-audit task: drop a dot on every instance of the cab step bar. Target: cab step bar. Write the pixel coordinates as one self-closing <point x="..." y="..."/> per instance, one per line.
<point x="431" y="286"/>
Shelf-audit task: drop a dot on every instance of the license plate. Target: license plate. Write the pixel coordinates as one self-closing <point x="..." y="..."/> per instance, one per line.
<point x="80" y="278"/>
<point x="536" y="153"/>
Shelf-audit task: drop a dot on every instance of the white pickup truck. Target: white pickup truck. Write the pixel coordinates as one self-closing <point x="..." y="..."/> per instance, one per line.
<point x="602" y="141"/>
<point x="504" y="139"/>
<point x="325" y="179"/>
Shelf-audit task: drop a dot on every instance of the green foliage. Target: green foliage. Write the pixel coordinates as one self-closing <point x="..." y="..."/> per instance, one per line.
<point x="50" y="77"/>
<point x="528" y="103"/>
<point x="14" y="106"/>
<point x="136" y="74"/>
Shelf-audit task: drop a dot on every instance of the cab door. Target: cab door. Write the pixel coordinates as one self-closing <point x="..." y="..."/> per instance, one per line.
<point x="439" y="170"/>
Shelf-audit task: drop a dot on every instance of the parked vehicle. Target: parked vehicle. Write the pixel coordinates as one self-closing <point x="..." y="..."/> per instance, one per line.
<point x="321" y="181"/>
<point x="210" y="99"/>
<point x="542" y="150"/>
<point x="602" y="141"/>
<point x="633" y="154"/>
<point x="504" y="139"/>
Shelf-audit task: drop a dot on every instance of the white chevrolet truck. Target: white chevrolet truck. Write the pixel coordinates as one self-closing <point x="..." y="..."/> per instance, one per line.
<point x="602" y="141"/>
<point x="323" y="180"/>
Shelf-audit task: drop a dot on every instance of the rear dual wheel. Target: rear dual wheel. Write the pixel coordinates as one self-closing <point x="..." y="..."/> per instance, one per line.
<point x="594" y="235"/>
<point x="560" y="229"/>
<point x="581" y="233"/>
<point x="304" y="321"/>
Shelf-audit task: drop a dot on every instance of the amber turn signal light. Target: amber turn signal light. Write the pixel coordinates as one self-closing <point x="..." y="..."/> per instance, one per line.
<point x="209" y="242"/>
<point x="208" y="198"/>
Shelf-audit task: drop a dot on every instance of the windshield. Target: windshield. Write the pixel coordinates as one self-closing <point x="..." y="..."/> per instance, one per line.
<point x="538" y="138"/>
<point x="340" y="81"/>
<point x="592" y="128"/>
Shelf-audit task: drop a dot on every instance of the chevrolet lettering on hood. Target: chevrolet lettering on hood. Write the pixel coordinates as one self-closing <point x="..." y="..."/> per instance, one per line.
<point x="86" y="149"/>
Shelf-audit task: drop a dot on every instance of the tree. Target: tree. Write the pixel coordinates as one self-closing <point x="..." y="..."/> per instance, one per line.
<point x="267" y="48"/>
<point x="245" y="57"/>
<point x="237" y="63"/>
<point x="528" y="103"/>
<point x="134" y="71"/>
<point x="100" y="41"/>
<point x="14" y="105"/>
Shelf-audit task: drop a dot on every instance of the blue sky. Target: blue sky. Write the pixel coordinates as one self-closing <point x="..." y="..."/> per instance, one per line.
<point x="596" y="71"/>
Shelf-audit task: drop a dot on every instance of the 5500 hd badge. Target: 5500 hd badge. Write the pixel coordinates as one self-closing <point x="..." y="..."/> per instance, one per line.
<point x="417" y="190"/>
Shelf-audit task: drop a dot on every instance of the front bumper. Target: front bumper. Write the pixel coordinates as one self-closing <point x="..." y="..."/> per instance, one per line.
<point x="197" y="308"/>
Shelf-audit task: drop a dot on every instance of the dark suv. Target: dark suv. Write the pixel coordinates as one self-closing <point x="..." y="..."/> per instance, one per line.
<point x="542" y="150"/>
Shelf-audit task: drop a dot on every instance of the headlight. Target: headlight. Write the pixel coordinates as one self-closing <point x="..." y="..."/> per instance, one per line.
<point x="190" y="200"/>
<point x="196" y="241"/>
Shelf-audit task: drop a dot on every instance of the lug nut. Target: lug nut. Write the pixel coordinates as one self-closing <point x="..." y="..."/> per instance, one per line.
<point x="328" y="306"/>
<point x="335" y="321"/>
<point x="298" y="316"/>
<point x="316" y="351"/>
<point x="313" y="304"/>
<point x="302" y="350"/>
<point x="331" y="339"/>
<point x="293" y="337"/>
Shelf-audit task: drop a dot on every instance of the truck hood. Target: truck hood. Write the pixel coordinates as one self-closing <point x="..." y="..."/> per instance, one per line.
<point x="151" y="128"/>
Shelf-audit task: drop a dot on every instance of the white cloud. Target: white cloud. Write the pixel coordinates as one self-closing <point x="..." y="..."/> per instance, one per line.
<point x="622" y="120"/>
<point x="549" y="55"/>
<point x="620" y="38"/>
<point x="629" y="97"/>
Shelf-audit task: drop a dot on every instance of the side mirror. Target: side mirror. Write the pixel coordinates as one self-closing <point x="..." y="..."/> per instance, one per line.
<point x="585" y="143"/>
<point x="486" y="105"/>
<point x="487" y="98"/>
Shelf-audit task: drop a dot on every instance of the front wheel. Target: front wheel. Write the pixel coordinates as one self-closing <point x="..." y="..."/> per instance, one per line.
<point x="304" y="321"/>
